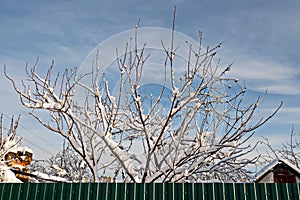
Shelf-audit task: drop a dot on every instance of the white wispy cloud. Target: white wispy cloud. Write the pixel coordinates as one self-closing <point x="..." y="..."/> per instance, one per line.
<point x="276" y="77"/>
<point x="261" y="37"/>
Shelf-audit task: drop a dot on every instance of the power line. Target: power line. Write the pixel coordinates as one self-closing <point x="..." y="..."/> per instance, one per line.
<point x="28" y="130"/>
<point x="36" y="135"/>
<point x="38" y="146"/>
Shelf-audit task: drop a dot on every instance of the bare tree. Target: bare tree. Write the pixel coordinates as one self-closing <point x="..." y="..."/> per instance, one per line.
<point x="8" y="142"/>
<point x="290" y="151"/>
<point x="198" y="133"/>
<point x="66" y="164"/>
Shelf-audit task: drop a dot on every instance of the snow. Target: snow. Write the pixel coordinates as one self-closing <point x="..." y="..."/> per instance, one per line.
<point x="60" y="171"/>
<point x="6" y="175"/>
<point x="9" y="142"/>
<point x="50" y="177"/>
<point x="273" y="164"/>
<point x="230" y="144"/>
<point x="51" y="89"/>
<point x="82" y="164"/>
<point x="21" y="148"/>
<point x="110" y="97"/>
<point x="122" y="71"/>
<point x="175" y="91"/>
<point x="38" y="105"/>
<point x="92" y="135"/>
<point x="27" y="104"/>
<point x="124" y="158"/>
<point x="57" y="106"/>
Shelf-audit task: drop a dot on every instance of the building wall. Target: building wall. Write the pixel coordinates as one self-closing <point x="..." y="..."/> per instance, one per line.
<point x="281" y="173"/>
<point x="268" y="178"/>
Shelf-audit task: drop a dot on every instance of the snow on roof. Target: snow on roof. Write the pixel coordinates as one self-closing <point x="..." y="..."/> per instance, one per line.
<point x="20" y="148"/>
<point x="272" y="164"/>
<point x="25" y="149"/>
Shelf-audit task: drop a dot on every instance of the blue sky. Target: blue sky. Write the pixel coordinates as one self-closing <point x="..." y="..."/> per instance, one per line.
<point x="261" y="38"/>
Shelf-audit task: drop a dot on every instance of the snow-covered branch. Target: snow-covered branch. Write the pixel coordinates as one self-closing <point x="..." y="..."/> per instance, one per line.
<point x="196" y="130"/>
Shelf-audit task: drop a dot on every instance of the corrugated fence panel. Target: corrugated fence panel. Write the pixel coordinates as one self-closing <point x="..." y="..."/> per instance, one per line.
<point x="149" y="191"/>
<point x="294" y="191"/>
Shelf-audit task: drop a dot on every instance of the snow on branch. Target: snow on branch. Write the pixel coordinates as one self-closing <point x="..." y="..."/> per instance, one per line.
<point x="196" y="130"/>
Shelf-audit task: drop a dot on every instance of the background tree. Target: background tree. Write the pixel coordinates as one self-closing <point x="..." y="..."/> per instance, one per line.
<point x="194" y="129"/>
<point x="7" y="143"/>
<point x="15" y="159"/>
<point x="10" y="140"/>
<point x="290" y="150"/>
<point x="66" y="164"/>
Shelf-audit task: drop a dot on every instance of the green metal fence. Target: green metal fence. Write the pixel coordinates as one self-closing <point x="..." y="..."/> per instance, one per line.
<point x="157" y="191"/>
